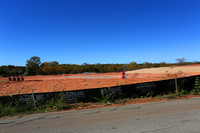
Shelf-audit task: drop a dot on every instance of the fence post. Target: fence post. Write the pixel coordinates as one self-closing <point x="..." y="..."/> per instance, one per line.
<point x="34" y="102"/>
<point x="176" y="85"/>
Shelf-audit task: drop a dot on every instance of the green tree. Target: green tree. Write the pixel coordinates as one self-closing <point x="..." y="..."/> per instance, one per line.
<point x="146" y="65"/>
<point x="52" y="63"/>
<point x="32" y="65"/>
<point x="133" y="63"/>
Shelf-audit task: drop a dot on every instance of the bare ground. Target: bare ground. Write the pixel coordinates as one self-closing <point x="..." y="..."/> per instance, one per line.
<point x="66" y="82"/>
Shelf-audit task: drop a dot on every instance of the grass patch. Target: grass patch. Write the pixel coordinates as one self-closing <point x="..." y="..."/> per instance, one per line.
<point x="172" y="96"/>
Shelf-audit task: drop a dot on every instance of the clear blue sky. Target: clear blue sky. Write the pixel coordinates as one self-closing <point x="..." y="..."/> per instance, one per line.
<point x="99" y="31"/>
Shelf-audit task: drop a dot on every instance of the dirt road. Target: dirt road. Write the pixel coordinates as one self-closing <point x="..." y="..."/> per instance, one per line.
<point x="180" y="116"/>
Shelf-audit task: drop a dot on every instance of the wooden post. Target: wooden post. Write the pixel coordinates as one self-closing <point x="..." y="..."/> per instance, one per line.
<point x="34" y="102"/>
<point x="176" y="85"/>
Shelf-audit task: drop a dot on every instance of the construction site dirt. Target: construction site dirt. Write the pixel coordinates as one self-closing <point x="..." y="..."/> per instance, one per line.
<point x="69" y="82"/>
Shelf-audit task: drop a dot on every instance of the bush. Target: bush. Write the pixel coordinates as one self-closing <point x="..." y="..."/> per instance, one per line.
<point x="105" y="98"/>
<point x="182" y="92"/>
<point x="196" y="89"/>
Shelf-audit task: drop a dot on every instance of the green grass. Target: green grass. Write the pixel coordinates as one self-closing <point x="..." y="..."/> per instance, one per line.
<point x="172" y="96"/>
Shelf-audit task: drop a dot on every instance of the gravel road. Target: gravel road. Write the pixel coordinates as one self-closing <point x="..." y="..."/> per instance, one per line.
<point x="180" y="116"/>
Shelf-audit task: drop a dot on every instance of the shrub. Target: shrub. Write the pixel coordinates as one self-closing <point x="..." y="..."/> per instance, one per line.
<point x="105" y="98"/>
<point x="196" y="89"/>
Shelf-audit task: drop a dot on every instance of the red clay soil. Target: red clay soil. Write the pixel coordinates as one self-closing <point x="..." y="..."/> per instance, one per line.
<point x="67" y="82"/>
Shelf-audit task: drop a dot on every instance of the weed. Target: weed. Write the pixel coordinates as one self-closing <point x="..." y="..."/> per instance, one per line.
<point x="194" y="92"/>
<point x="196" y="89"/>
<point x="50" y="103"/>
<point x="122" y="101"/>
<point x="182" y="92"/>
<point x="171" y="96"/>
<point x="7" y="111"/>
<point x="105" y="98"/>
<point x="57" y="103"/>
<point x="150" y="94"/>
<point x="160" y="96"/>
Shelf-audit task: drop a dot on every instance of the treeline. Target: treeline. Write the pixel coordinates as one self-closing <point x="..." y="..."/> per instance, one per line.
<point x="97" y="68"/>
<point x="49" y="69"/>
<point x="12" y="70"/>
<point x="35" y="67"/>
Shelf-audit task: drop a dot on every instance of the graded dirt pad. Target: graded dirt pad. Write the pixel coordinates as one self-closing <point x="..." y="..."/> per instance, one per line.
<point x="67" y="82"/>
<point x="173" y="69"/>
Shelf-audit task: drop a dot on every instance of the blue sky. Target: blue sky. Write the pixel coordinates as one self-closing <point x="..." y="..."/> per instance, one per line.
<point x="99" y="31"/>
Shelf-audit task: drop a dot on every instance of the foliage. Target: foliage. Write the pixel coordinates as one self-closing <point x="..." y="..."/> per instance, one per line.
<point x="32" y="65"/>
<point x="98" y="68"/>
<point x="123" y="100"/>
<point x="182" y="92"/>
<point x="133" y="63"/>
<point x="11" y="70"/>
<point x="16" y="107"/>
<point x="171" y="96"/>
<point x="160" y="96"/>
<point x="196" y="89"/>
<point x="105" y="98"/>
<point x="150" y="94"/>
<point x="52" y="63"/>
<point x="57" y="103"/>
